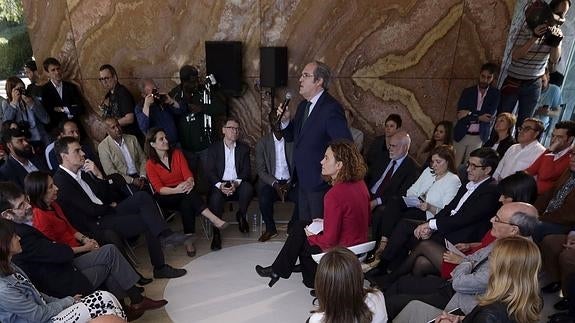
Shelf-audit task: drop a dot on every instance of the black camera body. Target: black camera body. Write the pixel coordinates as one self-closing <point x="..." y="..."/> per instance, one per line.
<point x="540" y="13"/>
<point x="158" y="98"/>
<point x="26" y="92"/>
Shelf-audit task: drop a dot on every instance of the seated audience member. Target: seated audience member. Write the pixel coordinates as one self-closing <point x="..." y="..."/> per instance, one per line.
<point x="356" y="134"/>
<point x="173" y="182"/>
<point x="554" y="161"/>
<point x="61" y="99"/>
<point x="34" y="88"/>
<point x="549" y="103"/>
<point x="157" y="110"/>
<point x="85" y="199"/>
<point x="228" y="171"/>
<point x="345" y="219"/>
<point x="274" y="164"/>
<point x="511" y="294"/>
<point x="502" y="136"/>
<point x="524" y="152"/>
<point x="22" y="159"/>
<point x="69" y="128"/>
<point x="378" y="152"/>
<point x="557" y="204"/>
<point x="118" y="102"/>
<point x="20" y="301"/>
<point x="464" y="219"/>
<point x="340" y="292"/>
<point x="428" y="295"/>
<point x="102" y="265"/>
<point x="26" y="111"/>
<point x="558" y="253"/>
<point x="475" y="110"/>
<point x="442" y="135"/>
<point x="122" y="154"/>
<point x="394" y="177"/>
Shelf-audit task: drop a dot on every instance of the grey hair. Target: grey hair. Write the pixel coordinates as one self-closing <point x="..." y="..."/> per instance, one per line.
<point x="525" y="222"/>
<point x="322" y="71"/>
<point x="143" y="82"/>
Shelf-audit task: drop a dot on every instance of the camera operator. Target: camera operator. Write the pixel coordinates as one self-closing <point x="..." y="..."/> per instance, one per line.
<point x="158" y="109"/>
<point x="538" y="43"/>
<point x="26" y="111"/>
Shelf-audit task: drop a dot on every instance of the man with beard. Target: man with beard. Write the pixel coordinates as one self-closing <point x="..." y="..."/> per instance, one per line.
<point x="475" y="110"/>
<point x="22" y="159"/>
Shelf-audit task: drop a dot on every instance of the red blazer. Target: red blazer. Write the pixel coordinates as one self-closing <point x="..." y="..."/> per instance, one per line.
<point x="345" y="216"/>
<point x="547" y="170"/>
<point x="160" y="176"/>
<point x="54" y="225"/>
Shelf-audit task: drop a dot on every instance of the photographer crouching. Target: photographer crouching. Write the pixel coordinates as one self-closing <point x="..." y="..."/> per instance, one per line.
<point x="537" y="45"/>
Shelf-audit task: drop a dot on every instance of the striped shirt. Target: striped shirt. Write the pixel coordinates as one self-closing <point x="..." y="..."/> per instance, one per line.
<point x="533" y="64"/>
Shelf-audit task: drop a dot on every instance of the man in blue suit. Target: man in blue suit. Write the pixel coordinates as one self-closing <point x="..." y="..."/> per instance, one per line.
<point x="475" y="110"/>
<point x="319" y="119"/>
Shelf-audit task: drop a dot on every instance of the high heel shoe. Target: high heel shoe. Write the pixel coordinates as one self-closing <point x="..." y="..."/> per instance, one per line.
<point x="268" y="272"/>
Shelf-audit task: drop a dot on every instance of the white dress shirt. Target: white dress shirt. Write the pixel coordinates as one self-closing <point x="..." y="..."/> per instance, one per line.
<point x="281" y="169"/>
<point x="438" y="193"/>
<point x="127" y="157"/>
<point x="230" y="173"/>
<point x="84" y="185"/>
<point x="518" y="158"/>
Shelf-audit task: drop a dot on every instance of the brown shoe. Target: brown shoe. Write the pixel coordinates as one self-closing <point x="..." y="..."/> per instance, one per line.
<point x="132" y="314"/>
<point x="267" y="235"/>
<point x="149" y="304"/>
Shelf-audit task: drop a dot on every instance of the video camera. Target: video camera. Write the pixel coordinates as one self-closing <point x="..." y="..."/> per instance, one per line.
<point x="540" y="13"/>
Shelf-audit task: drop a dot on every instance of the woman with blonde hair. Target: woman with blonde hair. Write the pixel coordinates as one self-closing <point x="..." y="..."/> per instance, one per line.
<point x="340" y="292"/>
<point x="513" y="290"/>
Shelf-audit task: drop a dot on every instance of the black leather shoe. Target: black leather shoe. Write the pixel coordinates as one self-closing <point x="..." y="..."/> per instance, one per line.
<point x="268" y="272"/>
<point x="312" y="293"/>
<point x="216" y="241"/>
<point x="297" y="268"/>
<point x="562" y="305"/>
<point x="144" y="281"/>
<point x="550" y="288"/>
<point x="168" y="271"/>
<point x="243" y="225"/>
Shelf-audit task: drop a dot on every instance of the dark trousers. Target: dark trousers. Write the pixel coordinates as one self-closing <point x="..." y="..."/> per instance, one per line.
<point x="135" y="215"/>
<point x="432" y="290"/>
<point x="267" y="197"/>
<point x="385" y="217"/>
<point x="402" y="241"/>
<point x="297" y="246"/>
<point x="243" y="195"/>
<point x="189" y="205"/>
<point x="310" y="204"/>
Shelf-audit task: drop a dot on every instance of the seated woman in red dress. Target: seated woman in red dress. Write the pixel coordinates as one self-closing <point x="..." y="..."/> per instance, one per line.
<point x="345" y="217"/>
<point x="171" y="178"/>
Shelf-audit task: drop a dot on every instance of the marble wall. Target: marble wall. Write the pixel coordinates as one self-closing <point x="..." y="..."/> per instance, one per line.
<point x="411" y="57"/>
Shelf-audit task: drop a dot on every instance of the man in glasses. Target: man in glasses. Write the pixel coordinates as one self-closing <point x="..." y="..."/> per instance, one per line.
<point x="118" y="101"/>
<point x="524" y="152"/>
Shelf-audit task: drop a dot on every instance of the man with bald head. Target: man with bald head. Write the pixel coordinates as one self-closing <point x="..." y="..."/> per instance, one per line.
<point x="428" y="295"/>
<point x="393" y="179"/>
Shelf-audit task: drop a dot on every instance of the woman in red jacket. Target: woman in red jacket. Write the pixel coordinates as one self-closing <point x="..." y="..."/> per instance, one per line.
<point x="170" y="176"/>
<point x="345" y="218"/>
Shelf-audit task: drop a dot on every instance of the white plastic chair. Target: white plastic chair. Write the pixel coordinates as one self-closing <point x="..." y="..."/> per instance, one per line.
<point x="360" y="250"/>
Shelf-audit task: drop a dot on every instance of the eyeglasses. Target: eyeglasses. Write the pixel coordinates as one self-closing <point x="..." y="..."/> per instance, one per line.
<point x="474" y="166"/>
<point x="306" y="75"/>
<point x="526" y="128"/>
<point x="498" y="220"/>
<point x="233" y="128"/>
<point x="107" y="78"/>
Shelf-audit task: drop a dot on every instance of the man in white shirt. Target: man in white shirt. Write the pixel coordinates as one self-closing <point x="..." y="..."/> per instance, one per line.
<point x="524" y="152"/>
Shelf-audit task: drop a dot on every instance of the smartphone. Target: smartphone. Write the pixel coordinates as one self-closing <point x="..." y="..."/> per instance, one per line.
<point x="455" y="311"/>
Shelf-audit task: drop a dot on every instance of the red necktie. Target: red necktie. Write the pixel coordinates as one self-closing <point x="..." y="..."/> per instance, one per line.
<point x="386" y="179"/>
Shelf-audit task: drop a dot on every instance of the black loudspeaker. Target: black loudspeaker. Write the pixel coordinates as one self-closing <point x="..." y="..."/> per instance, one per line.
<point x="273" y="66"/>
<point x="224" y="60"/>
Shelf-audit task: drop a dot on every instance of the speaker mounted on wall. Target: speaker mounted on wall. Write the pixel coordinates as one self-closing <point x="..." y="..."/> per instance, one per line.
<point x="273" y="66"/>
<point x="224" y="60"/>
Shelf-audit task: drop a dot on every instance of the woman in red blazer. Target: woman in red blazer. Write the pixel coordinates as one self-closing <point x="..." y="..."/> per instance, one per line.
<point x="170" y="176"/>
<point x="345" y="218"/>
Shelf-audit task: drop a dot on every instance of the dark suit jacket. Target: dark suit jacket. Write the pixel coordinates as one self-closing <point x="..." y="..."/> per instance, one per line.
<point x="12" y="171"/>
<point x="325" y="123"/>
<point x="471" y="222"/>
<point x="503" y="145"/>
<point x="468" y="101"/>
<point x="565" y="214"/>
<point x="71" y="98"/>
<point x="216" y="162"/>
<point x="266" y="159"/>
<point x="405" y="175"/>
<point x="80" y="210"/>
<point x="49" y="264"/>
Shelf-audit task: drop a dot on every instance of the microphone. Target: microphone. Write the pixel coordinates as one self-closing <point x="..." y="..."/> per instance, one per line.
<point x="284" y="105"/>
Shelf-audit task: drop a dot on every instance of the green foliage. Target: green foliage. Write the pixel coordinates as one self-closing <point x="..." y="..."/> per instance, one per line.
<point x="11" y="10"/>
<point x="15" y="50"/>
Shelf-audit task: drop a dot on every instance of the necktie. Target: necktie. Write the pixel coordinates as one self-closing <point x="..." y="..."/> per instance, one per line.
<point x="386" y="180"/>
<point x="305" y="113"/>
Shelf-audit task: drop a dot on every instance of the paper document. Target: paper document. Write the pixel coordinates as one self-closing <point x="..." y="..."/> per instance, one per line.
<point x="451" y="247"/>
<point x="315" y="227"/>
<point x="412" y="201"/>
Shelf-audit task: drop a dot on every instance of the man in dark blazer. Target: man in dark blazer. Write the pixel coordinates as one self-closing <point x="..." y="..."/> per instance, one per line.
<point x="319" y="119"/>
<point x="275" y="177"/>
<point x="475" y="110"/>
<point x="228" y="171"/>
<point x="465" y="219"/>
<point x="61" y="99"/>
<point x="88" y="201"/>
<point x="21" y="160"/>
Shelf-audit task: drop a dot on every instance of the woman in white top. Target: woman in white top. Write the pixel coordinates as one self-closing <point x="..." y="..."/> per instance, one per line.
<point x="340" y="292"/>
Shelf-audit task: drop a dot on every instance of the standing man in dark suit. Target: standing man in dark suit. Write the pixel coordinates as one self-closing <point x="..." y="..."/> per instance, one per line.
<point x="228" y="171"/>
<point x="21" y="160"/>
<point x="319" y="119"/>
<point x="275" y="166"/>
<point x="475" y="111"/>
<point x="61" y="99"/>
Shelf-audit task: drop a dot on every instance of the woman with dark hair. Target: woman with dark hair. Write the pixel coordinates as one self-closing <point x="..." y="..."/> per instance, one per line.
<point x="442" y="135"/>
<point x="502" y="136"/>
<point x="20" y="301"/>
<point x="340" y="292"/>
<point x="26" y="111"/>
<point x="345" y="218"/>
<point x="171" y="178"/>
<point x="378" y="148"/>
